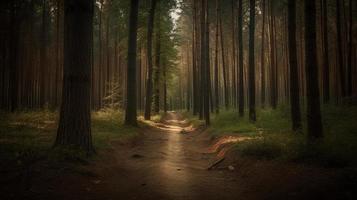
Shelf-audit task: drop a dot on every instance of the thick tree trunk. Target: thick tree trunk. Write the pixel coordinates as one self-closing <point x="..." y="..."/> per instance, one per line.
<point x="314" y="124"/>
<point x="75" y="121"/>
<point x="294" y="74"/>
<point x="131" y="107"/>
<point x="149" y="82"/>
<point x="252" y="113"/>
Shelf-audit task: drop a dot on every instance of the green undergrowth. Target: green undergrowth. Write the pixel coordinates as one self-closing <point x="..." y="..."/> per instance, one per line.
<point x="27" y="137"/>
<point x="271" y="137"/>
<point x="107" y="125"/>
<point x="192" y="119"/>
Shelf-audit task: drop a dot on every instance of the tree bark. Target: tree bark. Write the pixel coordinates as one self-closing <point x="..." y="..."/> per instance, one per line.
<point x="326" y="59"/>
<point x="240" y="58"/>
<point x="131" y="107"/>
<point x="262" y="70"/>
<point x="341" y="65"/>
<point x="216" y="91"/>
<point x="224" y="67"/>
<point x="350" y="49"/>
<point x="252" y="113"/>
<point x="314" y="124"/>
<point x="294" y="74"/>
<point x="75" y="121"/>
<point x="149" y="83"/>
<point x="157" y="66"/>
<point x="13" y="56"/>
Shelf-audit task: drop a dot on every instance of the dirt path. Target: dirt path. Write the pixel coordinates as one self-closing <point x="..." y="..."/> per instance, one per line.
<point x="170" y="162"/>
<point x="167" y="163"/>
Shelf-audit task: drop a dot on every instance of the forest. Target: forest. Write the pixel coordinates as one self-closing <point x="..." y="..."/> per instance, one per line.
<point x="178" y="99"/>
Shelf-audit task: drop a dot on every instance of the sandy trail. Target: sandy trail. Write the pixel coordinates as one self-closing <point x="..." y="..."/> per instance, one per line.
<point x="170" y="162"/>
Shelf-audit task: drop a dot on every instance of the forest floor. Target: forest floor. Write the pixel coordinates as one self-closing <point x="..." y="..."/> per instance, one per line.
<point x="171" y="159"/>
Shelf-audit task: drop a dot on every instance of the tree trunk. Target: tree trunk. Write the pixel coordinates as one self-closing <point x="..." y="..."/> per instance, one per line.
<point x="273" y="65"/>
<point x="314" y="124"/>
<point x="234" y="68"/>
<point x="208" y="73"/>
<point x="43" y="54"/>
<point x="341" y="65"/>
<point x="326" y="59"/>
<point x="294" y="74"/>
<point x="262" y="70"/>
<point x="216" y="91"/>
<point x="252" y="113"/>
<point x="240" y="58"/>
<point x="13" y="51"/>
<point x="350" y="49"/>
<point x="157" y="66"/>
<point x="224" y="67"/>
<point x="149" y="84"/>
<point x="131" y="107"/>
<point x="75" y="120"/>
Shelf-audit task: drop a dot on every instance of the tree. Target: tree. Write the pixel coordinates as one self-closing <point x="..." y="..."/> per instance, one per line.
<point x="216" y="92"/>
<point x="326" y="59"/>
<point x="252" y="114"/>
<point x="224" y="67"/>
<point x="273" y="59"/>
<point x="157" y="65"/>
<point x="131" y="109"/>
<point x="149" y="84"/>
<point x="341" y="65"/>
<point x="294" y="76"/>
<point x="263" y="55"/>
<point x="15" y="20"/>
<point x="206" y="78"/>
<point x="43" y="52"/>
<point x="240" y="58"/>
<point x="350" y="51"/>
<point x="75" y="122"/>
<point x="314" y="124"/>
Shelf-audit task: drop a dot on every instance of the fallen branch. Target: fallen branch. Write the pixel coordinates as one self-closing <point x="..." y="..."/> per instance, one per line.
<point x="214" y="164"/>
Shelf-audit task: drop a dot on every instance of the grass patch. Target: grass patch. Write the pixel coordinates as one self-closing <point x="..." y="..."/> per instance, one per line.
<point x="27" y="137"/>
<point x="276" y="140"/>
<point x="192" y="119"/>
<point x="230" y="122"/>
<point x="107" y="125"/>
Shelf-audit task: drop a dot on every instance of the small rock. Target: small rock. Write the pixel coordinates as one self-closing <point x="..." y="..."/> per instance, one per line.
<point x="178" y="169"/>
<point x="143" y="184"/>
<point x="231" y="168"/>
<point x="97" y="181"/>
<point x="137" y="156"/>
